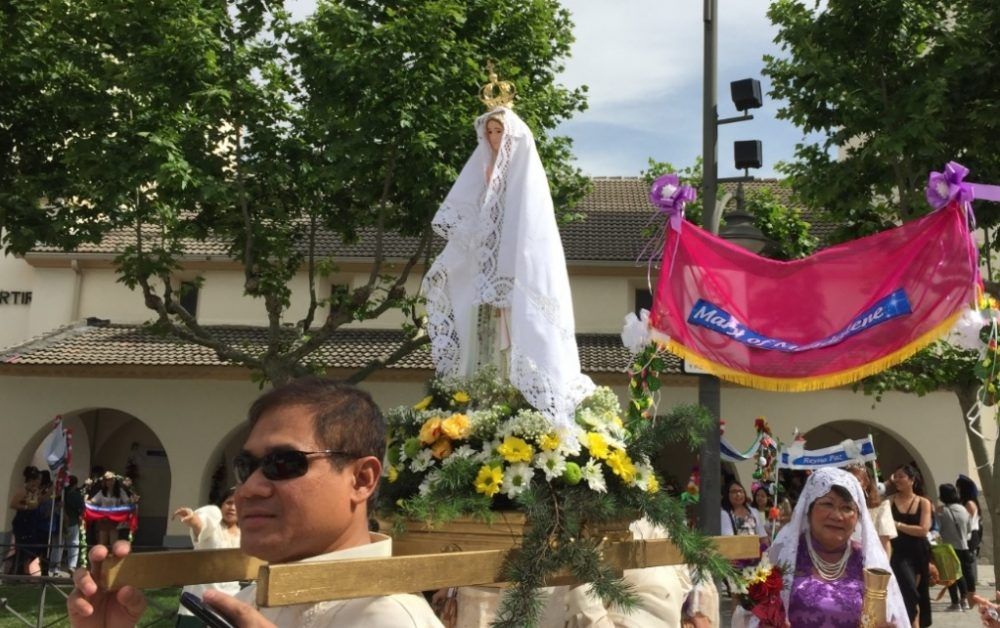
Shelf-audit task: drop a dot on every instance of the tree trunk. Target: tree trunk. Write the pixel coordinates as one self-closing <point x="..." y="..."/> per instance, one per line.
<point x="989" y="475"/>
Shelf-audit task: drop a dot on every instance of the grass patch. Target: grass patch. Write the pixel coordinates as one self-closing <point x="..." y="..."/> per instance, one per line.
<point x="23" y="598"/>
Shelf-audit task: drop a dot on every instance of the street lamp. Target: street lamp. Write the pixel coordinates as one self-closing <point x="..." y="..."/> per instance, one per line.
<point x="746" y="95"/>
<point x="740" y="228"/>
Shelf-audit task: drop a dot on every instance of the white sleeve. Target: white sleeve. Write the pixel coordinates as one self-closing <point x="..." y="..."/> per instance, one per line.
<point x="727" y="524"/>
<point x="211" y="525"/>
<point x="884" y="523"/>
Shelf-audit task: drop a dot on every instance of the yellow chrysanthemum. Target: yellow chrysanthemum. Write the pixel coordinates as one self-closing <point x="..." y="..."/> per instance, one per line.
<point x="392" y="474"/>
<point x="597" y="445"/>
<point x="549" y="441"/>
<point x="652" y="485"/>
<point x="489" y="480"/>
<point x="617" y="420"/>
<point x="430" y="431"/>
<point x="461" y="397"/>
<point x="621" y="465"/>
<point x="441" y="448"/>
<point x="424" y="403"/>
<point x="456" y="426"/>
<point x="514" y="449"/>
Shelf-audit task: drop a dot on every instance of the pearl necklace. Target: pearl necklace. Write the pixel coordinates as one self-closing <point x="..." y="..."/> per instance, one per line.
<point x="828" y="571"/>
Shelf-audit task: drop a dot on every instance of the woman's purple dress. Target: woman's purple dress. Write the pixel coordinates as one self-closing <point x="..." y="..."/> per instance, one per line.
<point x="816" y="603"/>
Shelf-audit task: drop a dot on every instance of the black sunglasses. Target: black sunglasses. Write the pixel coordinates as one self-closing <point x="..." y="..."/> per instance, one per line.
<point x="285" y="464"/>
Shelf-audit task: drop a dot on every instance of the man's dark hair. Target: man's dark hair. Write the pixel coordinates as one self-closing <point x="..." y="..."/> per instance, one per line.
<point x="949" y="494"/>
<point x="346" y="418"/>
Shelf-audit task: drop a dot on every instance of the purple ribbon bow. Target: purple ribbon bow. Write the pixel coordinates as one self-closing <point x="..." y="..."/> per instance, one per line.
<point x="670" y="196"/>
<point x="948" y="186"/>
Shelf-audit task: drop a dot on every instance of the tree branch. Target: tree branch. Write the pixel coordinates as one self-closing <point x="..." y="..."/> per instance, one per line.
<point x="307" y="322"/>
<point x="407" y="347"/>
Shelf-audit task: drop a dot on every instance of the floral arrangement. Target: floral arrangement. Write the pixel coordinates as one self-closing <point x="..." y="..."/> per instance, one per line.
<point x="472" y="447"/>
<point x="987" y="368"/>
<point x="759" y="591"/>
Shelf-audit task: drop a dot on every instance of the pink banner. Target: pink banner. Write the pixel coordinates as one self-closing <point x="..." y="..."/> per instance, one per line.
<point x="830" y="319"/>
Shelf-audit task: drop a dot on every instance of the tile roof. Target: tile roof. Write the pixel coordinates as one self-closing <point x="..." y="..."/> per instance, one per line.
<point x="616" y="211"/>
<point x="104" y="344"/>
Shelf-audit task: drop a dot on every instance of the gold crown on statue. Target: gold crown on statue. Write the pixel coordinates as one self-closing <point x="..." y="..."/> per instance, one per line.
<point x="496" y="93"/>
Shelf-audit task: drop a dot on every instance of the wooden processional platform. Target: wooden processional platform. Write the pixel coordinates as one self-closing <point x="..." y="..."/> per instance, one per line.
<point x="460" y="553"/>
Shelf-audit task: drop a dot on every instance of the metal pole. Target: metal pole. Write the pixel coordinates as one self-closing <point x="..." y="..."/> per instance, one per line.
<point x="709" y="394"/>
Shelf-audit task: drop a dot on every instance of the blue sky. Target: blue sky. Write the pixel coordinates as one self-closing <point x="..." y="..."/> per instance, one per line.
<point x="642" y="60"/>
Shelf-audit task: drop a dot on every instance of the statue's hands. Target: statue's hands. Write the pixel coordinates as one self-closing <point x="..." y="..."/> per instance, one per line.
<point x="239" y="613"/>
<point x="89" y="606"/>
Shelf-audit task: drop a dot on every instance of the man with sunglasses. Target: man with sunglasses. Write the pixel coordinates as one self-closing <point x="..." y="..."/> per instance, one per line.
<point x="307" y="473"/>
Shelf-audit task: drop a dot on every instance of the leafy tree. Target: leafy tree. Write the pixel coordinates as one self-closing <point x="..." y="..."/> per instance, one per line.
<point x="183" y="121"/>
<point x="898" y="88"/>
<point x="784" y="227"/>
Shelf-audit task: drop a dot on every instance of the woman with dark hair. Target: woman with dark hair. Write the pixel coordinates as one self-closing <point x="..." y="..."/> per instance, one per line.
<point x="968" y="493"/>
<point x="109" y="495"/>
<point x="211" y="527"/>
<point x="739" y="518"/>
<point x="25" y="504"/>
<point x="953" y="524"/>
<point x="911" y="550"/>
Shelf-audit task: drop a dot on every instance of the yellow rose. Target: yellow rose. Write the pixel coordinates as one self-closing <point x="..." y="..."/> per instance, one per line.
<point x="489" y="480"/>
<point x="431" y="430"/>
<point x="597" y="445"/>
<point x="456" y="426"/>
<point x="549" y="442"/>
<point x="424" y="403"/>
<point x="514" y="449"/>
<point x="441" y="448"/>
<point x="460" y="398"/>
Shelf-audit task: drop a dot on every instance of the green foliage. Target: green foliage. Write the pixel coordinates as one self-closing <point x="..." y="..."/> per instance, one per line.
<point x="940" y="366"/>
<point x="784" y="227"/>
<point x="178" y="121"/>
<point x="890" y="82"/>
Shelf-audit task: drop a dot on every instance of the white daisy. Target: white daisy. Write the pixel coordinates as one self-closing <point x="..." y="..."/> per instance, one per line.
<point x="569" y="441"/>
<point x="462" y="452"/>
<point x="489" y="451"/>
<point x="423" y="461"/>
<point x="594" y="476"/>
<point x="516" y="479"/>
<point x="642" y="474"/>
<point x="551" y="463"/>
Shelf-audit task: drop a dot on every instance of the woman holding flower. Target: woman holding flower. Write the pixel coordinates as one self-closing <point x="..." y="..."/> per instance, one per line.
<point x="823" y="584"/>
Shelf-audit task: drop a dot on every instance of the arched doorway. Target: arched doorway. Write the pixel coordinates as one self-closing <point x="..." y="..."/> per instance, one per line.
<point x="218" y="474"/>
<point x="892" y="449"/>
<point x="120" y="442"/>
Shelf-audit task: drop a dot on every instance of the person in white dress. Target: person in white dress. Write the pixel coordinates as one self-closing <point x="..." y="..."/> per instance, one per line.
<point x="210" y="527"/>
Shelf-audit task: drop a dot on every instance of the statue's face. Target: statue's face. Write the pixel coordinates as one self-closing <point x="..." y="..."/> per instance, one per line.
<point x="494" y="133"/>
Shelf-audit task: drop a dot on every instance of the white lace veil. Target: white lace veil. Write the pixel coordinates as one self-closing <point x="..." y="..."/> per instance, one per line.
<point x="503" y="249"/>
<point x="786" y="545"/>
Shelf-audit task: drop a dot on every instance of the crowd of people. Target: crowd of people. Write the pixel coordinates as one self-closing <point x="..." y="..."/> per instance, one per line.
<point x="313" y="459"/>
<point x="48" y="520"/>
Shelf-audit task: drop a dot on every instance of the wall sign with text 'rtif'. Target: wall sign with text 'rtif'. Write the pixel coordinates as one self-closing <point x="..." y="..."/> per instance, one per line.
<point x="15" y="297"/>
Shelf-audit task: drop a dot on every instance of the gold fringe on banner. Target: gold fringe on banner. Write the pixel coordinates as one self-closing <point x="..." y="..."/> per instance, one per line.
<point x="818" y="382"/>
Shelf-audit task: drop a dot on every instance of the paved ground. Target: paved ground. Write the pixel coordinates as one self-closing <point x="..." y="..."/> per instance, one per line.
<point x="942" y="618"/>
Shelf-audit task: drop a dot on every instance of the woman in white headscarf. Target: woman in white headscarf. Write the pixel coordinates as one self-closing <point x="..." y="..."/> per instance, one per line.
<point x="824" y="584"/>
<point x="498" y="294"/>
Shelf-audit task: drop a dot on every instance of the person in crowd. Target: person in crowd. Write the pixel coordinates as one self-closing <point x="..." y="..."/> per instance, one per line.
<point x="308" y="469"/>
<point x="739" y="517"/>
<point x="47" y="523"/>
<point x="968" y="493"/>
<point x="25" y="504"/>
<point x="68" y="545"/>
<point x="911" y="550"/>
<point x="211" y="527"/>
<point x="110" y="493"/>
<point x="953" y="525"/>
<point x="878" y="508"/>
<point x="827" y="584"/>
<point x="762" y="503"/>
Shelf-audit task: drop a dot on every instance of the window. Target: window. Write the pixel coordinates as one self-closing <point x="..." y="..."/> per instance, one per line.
<point x="189" y="296"/>
<point x="643" y="300"/>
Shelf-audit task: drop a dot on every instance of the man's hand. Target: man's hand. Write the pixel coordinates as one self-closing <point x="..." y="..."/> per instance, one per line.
<point x="238" y="613"/>
<point x="988" y="612"/>
<point x="89" y="606"/>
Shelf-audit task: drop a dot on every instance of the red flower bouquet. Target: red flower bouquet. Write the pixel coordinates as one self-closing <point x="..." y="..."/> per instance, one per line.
<point x="759" y="592"/>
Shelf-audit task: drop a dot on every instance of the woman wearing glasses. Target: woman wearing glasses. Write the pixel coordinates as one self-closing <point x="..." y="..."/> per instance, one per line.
<point x="211" y="527"/>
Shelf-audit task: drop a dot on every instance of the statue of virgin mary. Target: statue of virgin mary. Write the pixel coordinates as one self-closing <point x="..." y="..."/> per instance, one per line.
<point x="498" y="294"/>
